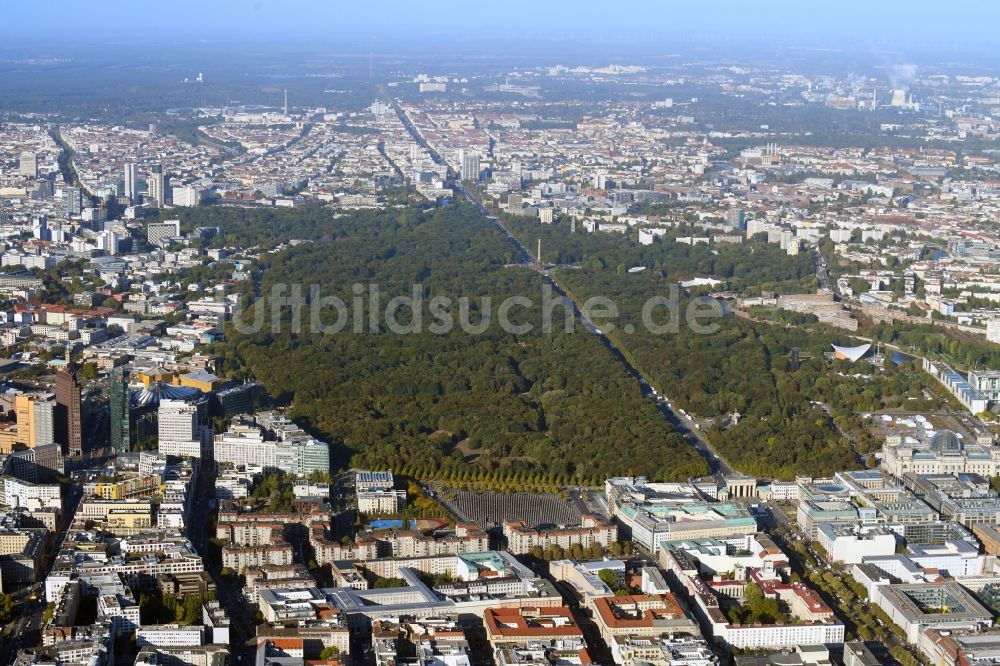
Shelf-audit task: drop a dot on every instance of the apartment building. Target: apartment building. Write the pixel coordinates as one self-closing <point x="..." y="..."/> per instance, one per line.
<point x="591" y="530"/>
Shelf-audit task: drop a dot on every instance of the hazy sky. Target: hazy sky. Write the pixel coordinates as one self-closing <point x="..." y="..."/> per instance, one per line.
<point x="954" y="26"/>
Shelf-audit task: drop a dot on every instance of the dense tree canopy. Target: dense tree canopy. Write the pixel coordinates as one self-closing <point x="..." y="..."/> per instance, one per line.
<point x="752" y="265"/>
<point x="557" y="403"/>
<point x="791" y="418"/>
<point x="551" y="404"/>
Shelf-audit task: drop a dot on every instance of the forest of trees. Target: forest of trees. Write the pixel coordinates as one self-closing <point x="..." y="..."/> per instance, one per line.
<point x="757" y="265"/>
<point x="744" y="366"/>
<point x="545" y="408"/>
<point x="557" y="404"/>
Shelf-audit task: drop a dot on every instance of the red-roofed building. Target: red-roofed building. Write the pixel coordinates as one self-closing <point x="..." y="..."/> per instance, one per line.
<point x="641" y="615"/>
<point x="516" y="625"/>
<point x="520" y="635"/>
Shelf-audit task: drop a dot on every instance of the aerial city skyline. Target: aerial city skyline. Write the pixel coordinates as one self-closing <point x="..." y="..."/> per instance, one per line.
<point x="443" y="335"/>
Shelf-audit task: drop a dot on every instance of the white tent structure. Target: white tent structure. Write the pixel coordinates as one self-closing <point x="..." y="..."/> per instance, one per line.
<point x="851" y="354"/>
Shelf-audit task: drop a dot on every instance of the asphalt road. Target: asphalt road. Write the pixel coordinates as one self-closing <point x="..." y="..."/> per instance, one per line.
<point x="26" y="631"/>
<point x="822" y="276"/>
<point x="229" y="593"/>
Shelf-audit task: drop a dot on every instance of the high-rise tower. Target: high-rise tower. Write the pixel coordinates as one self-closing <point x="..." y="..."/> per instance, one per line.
<point x="73" y="199"/>
<point x="118" y="399"/>
<point x="470" y="165"/>
<point x="158" y="185"/>
<point x="35" y="420"/>
<point x="131" y="181"/>
<point x="69" y="417"/>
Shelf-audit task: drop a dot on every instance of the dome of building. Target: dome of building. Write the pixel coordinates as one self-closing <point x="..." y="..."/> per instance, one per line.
<point x="945" y="441"/>
<point x="152" y="394"/>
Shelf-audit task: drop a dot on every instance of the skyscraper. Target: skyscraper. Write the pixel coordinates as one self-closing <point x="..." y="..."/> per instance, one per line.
<point x="43" y="429"/>
<point x="158" y="185"/>
<point x="736" y="218"/>
<point x="109" y="241"/>
<point x="40" y="229"/>
<point x="28" y="165"/>
<point x="118" y="398"/>
<point x="73" y="197"/>
<point x="68" y="412"/>
<point x="470" y="166"/>
<point x="131" y="181"/>
<point x="24" y="415"/>
<point x="515" y="204"/>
